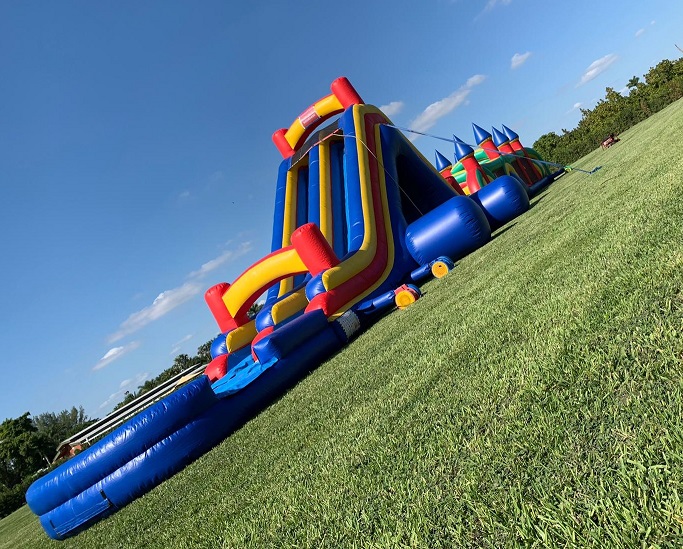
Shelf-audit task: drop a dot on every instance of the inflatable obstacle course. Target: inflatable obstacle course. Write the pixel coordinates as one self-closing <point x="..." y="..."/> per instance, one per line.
<point x="498" y="154"/>
<point x="360" y="218"/>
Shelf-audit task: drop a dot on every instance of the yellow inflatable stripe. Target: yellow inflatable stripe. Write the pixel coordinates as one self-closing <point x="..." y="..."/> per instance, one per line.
<point x="289" y="221"/>
<point x="241" y="336"/>
<point x="328" y="105"/>
<point x="387" y="223"/>
<point x="294" y="133"/>
<point x="322" y="108"/>
<point x="326" y="222"/>
<point x="363" y="257"/>
<point x="289" y="305"/>
<point x="287" y="261"/>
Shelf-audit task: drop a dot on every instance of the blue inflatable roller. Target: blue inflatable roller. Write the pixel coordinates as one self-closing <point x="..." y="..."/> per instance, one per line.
<point x="453" y="229"/>
<point x="502" y="200"/>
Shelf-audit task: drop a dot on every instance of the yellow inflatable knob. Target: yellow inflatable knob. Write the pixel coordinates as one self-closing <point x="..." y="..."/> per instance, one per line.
<point x="405" y="298"/>
<point x="440" y="269"/>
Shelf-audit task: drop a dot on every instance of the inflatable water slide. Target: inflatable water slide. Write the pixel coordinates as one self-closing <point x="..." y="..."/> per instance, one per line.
<point x="360" y="217"/>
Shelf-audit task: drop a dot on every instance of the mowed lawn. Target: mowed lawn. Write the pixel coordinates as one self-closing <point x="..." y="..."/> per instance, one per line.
<point x="531" y="398"/>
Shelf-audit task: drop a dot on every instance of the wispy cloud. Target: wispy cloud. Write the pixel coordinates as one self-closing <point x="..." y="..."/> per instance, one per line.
<point x="217" y="177"/>
<point x="597" y="67"/>
<point x="164" y="303"/>
<point x="491" y="4"/>
<point x="392" y="108"/>
<point x="168" y="300"/>
<point x="642" y="31"/>
<point x="226" y="256"/>
<point x="519" y="59"/>
<point x="576" y="107"/>
<point x="177" y="345"/>
<point x="434" y="112"/>
<point x="123" y="389"/>
<point x="115" y="353"/>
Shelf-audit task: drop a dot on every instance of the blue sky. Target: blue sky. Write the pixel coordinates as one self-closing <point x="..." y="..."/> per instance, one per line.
<point x="136" y="162"/>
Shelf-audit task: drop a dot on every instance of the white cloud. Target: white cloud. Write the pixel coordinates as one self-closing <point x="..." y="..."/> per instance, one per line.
<point x="168" y="300"/>
<point x="493" y="3"/>
<point x="392" y="108"/>
<point x="164" y="303"/>
<point x="188" y="337"/>
<point x="434" y="112"/>
<point x="519" y="59"/>
<point x="217" y="177"/>
<point x="117" y="396"/>
<point x="576" y="106"/>
<point x="218" y="261"/>
<point x="115" y="353"/>
<point x="642" y="31"/>
<point x="597" y="67"/>
<point x="177" y="345"/>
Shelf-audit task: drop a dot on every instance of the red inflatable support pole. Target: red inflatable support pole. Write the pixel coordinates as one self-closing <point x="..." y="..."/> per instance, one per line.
<point x="313" y="249"/>
<point x="214" y="299"/>
<point x="345" y="92"/>
<point x="281" y="143"/>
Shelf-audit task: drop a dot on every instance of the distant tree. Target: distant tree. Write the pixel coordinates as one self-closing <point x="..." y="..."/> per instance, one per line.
<point x="204" y="353"/>
<point x="180" y="364"/>
<point x="633" y="82"/>
<point x="128" y="397"/>
<point x="254" y="310"/>
<point x="23" y="450"/>
<point x="546" y="146"/>
<point x="58" y="427"/>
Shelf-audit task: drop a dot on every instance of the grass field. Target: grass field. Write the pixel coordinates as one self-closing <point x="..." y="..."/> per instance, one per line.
<point x="531" y="398"/>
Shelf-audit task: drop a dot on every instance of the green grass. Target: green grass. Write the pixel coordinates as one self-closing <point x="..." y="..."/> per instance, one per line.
<point x="531" y="398"/>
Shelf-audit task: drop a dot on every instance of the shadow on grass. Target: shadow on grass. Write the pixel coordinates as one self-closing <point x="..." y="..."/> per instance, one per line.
<point x="537" y="199"/>
<point x="503" y="230"/>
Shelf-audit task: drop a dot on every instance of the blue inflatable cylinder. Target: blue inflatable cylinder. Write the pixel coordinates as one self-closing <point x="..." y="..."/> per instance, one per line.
<point x="453" y="229"/>
<point x="422" y="272"/>
<point x="219" y="346"/>
<point x="295" y="334"/>
<point x="541" y="184"/>
<point x="502" y="200"/>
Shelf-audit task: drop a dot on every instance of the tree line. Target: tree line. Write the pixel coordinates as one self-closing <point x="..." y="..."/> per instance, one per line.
<point x="27" y="446"/>
<point x="661" y="86"/>
<point x="180" y="364"/>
